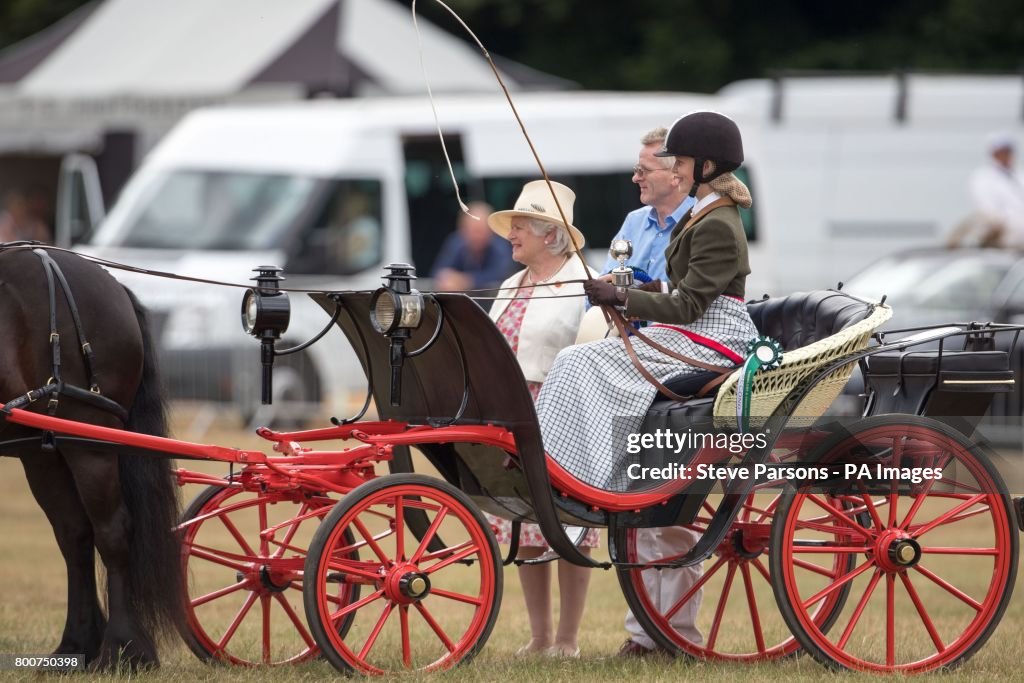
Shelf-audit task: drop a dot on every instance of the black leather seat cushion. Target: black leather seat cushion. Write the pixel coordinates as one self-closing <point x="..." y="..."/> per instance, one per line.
<point x="688" y="385"/>
<point x="805" y="317"/>
<point x="927" y="362"/>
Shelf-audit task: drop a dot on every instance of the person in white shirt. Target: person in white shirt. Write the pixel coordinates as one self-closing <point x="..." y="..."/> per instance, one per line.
<point x="538" y="321"/>
<point x="997" y="191"/>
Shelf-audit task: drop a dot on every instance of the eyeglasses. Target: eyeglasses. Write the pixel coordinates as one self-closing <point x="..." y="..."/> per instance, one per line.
<point x="640" y="171"/>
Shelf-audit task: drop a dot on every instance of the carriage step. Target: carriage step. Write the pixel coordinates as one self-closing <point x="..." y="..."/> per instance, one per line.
<point x="1018" y="505"/>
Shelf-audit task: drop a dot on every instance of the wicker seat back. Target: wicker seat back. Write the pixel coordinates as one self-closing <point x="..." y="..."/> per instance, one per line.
<point x="814" y="329"/>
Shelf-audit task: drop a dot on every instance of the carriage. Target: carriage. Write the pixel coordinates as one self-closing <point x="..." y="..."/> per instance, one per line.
<point x="845" y="521"/>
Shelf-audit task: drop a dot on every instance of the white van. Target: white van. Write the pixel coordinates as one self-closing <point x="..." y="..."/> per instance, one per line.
<point x="851" y="168"/>
<point x="332" y="191"/>
<point x="842" y="170"/>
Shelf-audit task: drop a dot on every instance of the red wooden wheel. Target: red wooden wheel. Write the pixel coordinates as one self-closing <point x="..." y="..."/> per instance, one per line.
<point x="935" y="561"/>
<point x="423" y="607"/>
<point x="729" y="600"/>
<point x="243" y="554"/>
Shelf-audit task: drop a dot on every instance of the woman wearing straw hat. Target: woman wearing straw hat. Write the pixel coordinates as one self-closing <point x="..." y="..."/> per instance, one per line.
<point x="594" y="396"/>
<point x="539" y="320"/>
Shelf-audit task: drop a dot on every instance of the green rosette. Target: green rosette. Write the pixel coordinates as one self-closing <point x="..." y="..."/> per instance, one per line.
<point x="763" y="353"/>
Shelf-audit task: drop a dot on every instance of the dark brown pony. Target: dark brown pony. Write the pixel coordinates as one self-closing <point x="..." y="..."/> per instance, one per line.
<point x="123" y="506"/>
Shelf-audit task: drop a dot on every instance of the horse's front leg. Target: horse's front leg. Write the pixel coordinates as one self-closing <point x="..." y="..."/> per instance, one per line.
<point x="126" y="641"/>
<point x="54" y="489"/>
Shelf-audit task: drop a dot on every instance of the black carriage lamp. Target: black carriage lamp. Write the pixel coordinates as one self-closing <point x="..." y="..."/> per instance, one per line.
<point x="395" y="310"/>
<point x="265" y="315"/>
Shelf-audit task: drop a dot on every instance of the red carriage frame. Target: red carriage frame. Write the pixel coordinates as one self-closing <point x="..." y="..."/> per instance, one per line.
<point x="431" y="414"/>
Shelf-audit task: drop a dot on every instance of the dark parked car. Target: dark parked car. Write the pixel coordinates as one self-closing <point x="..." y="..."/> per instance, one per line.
<point x="928" y="286"/>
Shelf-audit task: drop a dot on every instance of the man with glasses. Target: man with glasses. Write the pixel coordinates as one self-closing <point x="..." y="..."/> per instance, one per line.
<point x="649" y="228"/>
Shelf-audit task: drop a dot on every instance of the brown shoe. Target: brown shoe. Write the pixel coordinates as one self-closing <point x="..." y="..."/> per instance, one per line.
<point x="631" y="648"/>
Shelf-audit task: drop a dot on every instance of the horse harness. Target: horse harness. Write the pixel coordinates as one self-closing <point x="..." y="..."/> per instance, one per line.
<point x="55" y="385"/>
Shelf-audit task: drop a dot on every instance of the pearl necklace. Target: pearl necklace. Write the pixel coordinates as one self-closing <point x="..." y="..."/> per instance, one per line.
<point x="529" y="278"/>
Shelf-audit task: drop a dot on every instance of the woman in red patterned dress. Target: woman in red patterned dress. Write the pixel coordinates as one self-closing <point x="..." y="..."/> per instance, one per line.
<point x="539" y="321"/>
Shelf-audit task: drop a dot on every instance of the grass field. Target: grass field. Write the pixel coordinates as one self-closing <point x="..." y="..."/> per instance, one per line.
<point x="32" y="609"/>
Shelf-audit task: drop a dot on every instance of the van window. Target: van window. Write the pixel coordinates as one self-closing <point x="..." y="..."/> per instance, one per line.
<point x="345" y="236"/>
<point x="217" y="210"/>
<point x="602" y="200"/>
<point x="433" y="206"/>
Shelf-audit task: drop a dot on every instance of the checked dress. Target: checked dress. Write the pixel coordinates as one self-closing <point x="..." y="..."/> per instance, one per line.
<point x="594" y="397"/>
<point x="509" y="324"/>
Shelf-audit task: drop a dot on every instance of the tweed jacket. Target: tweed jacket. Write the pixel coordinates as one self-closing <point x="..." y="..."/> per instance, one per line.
<point x="704" y="260"/>
<point x="549" y="325"/>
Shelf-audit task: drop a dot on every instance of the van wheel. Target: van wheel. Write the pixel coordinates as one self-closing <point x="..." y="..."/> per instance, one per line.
<point x="297" y="396"/>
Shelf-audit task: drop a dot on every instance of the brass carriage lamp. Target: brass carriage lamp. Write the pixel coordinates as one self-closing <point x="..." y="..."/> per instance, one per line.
<point x="266" y="312"/>
<point x="395" y="310"/>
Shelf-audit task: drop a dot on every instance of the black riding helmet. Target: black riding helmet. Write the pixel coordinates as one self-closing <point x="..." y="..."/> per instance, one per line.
<point x="705" y="136"/>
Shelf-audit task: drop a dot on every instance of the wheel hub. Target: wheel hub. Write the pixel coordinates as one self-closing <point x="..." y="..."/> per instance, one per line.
<point x="406" y="584"/>
<point x="742" y="545"/>
<point x="896" y="551"/>
<point x="265" y="578"/>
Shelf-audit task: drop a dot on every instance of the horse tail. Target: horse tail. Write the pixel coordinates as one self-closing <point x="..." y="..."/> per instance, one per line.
<point x="155" y="578"/>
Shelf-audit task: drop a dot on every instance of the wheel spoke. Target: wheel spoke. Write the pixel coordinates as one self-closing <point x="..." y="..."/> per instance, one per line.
<point x="960" y="551"/>
<point x="459" y="597"/>
<point x="811" y="567"/>
<point x="233" y="626"/>
<point x="839" y="583"/>
<point x="950" y="588"/>
<point x="265" y="608"/>
<point x="399" y="531"/>
<point x="293" y="528"/>
<point x="371" y="540"/>
<point x="694" y="588"/>
<point x="897" y="458"/>
<point x="859" y="610"/>
<point x="890" y="620"/>
<point x="755" y="618"/>
<point x="764" y="570"/>
<point x="210" y="597"/>
<point x="928" y="624"/>
<point x="229" y="560"/>
<point x="435" y="627"/>
<point x="918" y="500"/>
<point x="294" y="618"/>
<point x="236" y="534"/>
<point x="359" y="604"/>
<point x="445" y="552"/>
<point x="954" y="519"/>
<point x="946" y="516"/>
<point x="429" y="536"/>
<point x="371" y="639"/>
<point x="840" y="516"/>
<point x="403" y="615"/>
<point x="720" y="610"/>
<point x="472" y="550"/>
<point x="869" y="505"/>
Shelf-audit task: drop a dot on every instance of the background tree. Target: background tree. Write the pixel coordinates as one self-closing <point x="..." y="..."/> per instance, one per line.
<point x="701" y="46"/>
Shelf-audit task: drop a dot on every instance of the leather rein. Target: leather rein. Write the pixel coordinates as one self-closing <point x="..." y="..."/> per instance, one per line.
<point x="626" y="330"/>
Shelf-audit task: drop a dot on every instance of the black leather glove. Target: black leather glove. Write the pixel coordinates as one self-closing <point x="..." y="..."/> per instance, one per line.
<point x="603" y="293"/>
<point x="652" y="286"/>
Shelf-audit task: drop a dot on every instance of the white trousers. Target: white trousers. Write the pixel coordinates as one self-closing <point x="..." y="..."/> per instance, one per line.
<point x="666" y="586"/>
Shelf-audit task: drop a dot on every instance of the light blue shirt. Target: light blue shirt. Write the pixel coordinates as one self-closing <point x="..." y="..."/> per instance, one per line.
<point x="649" y="240"/>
